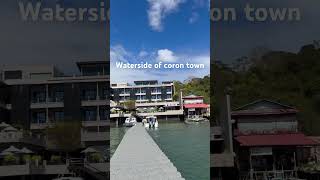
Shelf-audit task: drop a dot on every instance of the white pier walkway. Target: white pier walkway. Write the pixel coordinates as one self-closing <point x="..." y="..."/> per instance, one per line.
<point x="138" y="157"/>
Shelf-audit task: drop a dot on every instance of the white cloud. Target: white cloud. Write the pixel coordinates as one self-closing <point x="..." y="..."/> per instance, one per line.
<point x="119" y="53"/>
<point x="194" y="17"/>
<point x="159" y="9"/>
<point x="143" y="53"/>
<point x="166" y="55"/>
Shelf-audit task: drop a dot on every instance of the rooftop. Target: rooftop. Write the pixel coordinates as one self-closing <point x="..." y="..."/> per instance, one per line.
<point x="85" y="63"/>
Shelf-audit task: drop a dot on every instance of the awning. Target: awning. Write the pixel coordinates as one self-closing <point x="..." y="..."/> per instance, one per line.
<point x="294" y="139"/>
<point x="188" y="106"/>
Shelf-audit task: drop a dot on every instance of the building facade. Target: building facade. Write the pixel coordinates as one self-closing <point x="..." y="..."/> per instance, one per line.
<point x="35" y="97"/>
<point x="143" y="91"/>
<point x="268" y="141"/>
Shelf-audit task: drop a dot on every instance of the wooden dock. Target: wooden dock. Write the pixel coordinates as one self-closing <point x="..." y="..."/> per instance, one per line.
<point x="138" y="157"/>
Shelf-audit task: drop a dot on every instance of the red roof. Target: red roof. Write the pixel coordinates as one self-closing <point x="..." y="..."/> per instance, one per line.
<point x="188" y="106"/>
<point x="294" y="139"/>
<point x="264" y="112"/>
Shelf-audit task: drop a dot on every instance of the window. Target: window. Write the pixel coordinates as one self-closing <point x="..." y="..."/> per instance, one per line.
<point x="103" y="113"/>
<point x="90" y="115"/>
<point x="12" y="75"/>
<point x="38" y="97"/>
<point x="39" y="117"/>
<point x="58" y="116"/>
<point x="168" y="90"/>
<point x="89" y="94"/>
<point x="58" y="96"/>
<point x="104" y="93"/>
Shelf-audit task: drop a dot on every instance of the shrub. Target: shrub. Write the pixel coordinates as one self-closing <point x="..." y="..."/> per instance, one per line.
<point x="95" y="158"/>
<point x="55" y="159"/>
<point x="36" y="158"/>
<point x="10" y="159"/>
<point x="26" y="158"/>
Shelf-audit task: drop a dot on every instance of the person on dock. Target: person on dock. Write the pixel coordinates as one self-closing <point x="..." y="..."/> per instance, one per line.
<point x="144" y="121"/>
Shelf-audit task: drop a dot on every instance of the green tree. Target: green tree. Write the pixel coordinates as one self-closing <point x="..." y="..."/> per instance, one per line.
<point x="130" y="105"/>
<point x="65" y="136"/>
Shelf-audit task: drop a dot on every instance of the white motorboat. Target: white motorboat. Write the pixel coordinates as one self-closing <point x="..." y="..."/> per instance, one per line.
<point x="195" y="119"/>
<point x="130" y="121"/>
<point x="151" y="122"/>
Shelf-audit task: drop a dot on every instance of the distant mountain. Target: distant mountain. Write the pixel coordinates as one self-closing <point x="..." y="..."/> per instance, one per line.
<point x="286" y="77"/>
<point x="194" y="85"/>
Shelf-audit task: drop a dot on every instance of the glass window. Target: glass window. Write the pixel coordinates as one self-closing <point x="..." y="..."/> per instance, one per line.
<point x="89" y="94"/>
<point x="90" y="115"/>
<point x="59" y="96"/>
<point x="103" y="113"/>
<point x="58" y="116"/>
<point x="38" y="97"/>
<point x="39" y="117"/>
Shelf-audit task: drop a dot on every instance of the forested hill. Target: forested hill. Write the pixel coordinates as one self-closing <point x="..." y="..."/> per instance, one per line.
<point x="289" y="78"/>
<point x="195" y="86"/>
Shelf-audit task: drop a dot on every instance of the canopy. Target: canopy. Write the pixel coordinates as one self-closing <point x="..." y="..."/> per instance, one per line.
<point x="12" y="149"/>
<point x="4" y="125"/>
<point x="89" y="150"/>
<point x="26" y="151"/>
<point x="10" y="129"/>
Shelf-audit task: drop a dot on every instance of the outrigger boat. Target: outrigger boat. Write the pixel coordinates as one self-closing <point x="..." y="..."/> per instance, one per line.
<point x="150" y="122"/>
<point x="130" y="121"/>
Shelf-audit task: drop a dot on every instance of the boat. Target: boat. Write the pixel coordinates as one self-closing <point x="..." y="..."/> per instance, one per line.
<point x="151" y="122"/>
<point x="130" y="121"/>
<point x="195" y="119"/>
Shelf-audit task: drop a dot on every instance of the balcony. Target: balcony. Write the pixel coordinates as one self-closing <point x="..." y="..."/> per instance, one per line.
<point x="10" y="137"/>
<point x="95" y="136"/>
<point x="156" y="92"/>
<point x="142" y="100"/>
<point x="51" y="102"/>
<point x="95" y="123"/>
<point x="124" y="94"/>
<point x="35" y="126"/>
<point x="94" y="101"/>
<point x="18" y="137"/>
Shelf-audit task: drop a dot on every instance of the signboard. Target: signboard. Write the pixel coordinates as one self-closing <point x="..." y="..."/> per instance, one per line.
<point x="261" y="151"/>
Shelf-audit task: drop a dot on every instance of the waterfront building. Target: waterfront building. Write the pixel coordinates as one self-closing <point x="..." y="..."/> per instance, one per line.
<point x="35" y="97"/>
<point x="143" y="91"/>
<point x="268" y="141"/>
<point x="151" y="98"/>
<point x="194" y="106"/>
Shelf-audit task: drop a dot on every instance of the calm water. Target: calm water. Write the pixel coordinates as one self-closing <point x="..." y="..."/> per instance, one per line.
<point x="186" y="145"/>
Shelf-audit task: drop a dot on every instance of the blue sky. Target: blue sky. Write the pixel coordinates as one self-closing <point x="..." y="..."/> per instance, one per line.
<point x="171" y="31"/>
